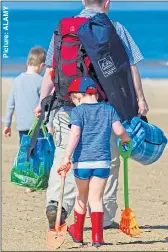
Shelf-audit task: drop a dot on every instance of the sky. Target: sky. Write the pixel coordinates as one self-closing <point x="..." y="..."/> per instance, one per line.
<point x="115" y="5"/>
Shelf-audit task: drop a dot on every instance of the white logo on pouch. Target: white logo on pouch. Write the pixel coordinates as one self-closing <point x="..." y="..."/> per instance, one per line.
<point x="107" y="66"/>
<point x="72" y="28"/>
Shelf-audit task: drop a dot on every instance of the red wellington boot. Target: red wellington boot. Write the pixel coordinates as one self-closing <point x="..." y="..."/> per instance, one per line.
<point x="97" y="228"/>
<point x="76" y="229"/>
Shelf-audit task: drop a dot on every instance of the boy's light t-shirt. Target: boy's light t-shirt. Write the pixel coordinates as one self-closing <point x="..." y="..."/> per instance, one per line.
<point x="23" y="99"/>
<point x="95" y="121"/>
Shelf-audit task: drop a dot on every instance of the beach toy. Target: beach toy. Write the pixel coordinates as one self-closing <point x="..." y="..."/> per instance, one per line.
<point x="128" y="224"/>
<point x="56" y="237"/>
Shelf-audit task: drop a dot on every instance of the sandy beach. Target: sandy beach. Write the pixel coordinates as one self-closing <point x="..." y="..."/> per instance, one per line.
<point x="24" y="224"/>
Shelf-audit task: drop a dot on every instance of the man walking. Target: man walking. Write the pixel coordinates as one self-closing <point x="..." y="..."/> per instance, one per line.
<point x="61" y="121"/>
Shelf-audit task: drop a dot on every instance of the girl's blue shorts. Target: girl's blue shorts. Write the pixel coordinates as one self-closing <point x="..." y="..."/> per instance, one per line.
<point x="84" y="173"/>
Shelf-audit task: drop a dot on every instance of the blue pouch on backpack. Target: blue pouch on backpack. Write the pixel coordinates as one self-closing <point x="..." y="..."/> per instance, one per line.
<point x="111" y="64"/>
<point x="148" y="141"/>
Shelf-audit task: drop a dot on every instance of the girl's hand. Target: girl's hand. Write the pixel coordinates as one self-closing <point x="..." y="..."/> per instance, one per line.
<point x="65" y="161"/>
<point x="64" y="167"/>
<point x="125" y="140"/>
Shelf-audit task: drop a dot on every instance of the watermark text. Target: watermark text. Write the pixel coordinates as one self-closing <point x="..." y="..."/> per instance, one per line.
<point x="5" y="32"/>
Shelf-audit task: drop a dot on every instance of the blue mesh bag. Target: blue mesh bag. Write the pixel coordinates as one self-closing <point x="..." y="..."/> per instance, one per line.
<point x="34" y="172"/>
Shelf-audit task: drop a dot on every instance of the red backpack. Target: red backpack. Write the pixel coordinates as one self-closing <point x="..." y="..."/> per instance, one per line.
<point x="70" y="59"/>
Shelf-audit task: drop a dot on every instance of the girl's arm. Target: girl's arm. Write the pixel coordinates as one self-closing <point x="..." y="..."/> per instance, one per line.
<point x="120" y="132"/>
<point x="72" y="143"/>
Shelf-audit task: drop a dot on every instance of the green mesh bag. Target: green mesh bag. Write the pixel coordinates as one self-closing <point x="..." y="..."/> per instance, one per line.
<point x="34" y="173"/>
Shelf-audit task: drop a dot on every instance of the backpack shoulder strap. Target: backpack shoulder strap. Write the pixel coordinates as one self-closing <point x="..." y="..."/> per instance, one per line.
<point x="55" y="37"/>
<point x="57" y="45"/>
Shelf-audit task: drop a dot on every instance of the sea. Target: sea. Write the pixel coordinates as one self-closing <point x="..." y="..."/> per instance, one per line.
<point x="29" y="28"/>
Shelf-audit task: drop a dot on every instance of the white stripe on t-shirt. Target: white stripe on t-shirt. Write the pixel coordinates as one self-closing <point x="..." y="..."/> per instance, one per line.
<point x="92" y="164"/>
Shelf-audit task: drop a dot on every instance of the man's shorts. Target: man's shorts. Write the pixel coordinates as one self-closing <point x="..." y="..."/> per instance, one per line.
<point x="84" y="173"/>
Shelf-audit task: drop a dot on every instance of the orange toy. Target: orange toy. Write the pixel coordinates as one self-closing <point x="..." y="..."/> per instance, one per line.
<point x="55" y="238"/>
<point x="128" y="224"/>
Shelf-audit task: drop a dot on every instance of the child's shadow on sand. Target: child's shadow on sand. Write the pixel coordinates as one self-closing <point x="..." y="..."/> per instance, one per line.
<point x="85" y="244"/>
<point x="143" y="242"/>
<point x="150" y="230"/>
<point x="141" y="227"/>
<point x="153" y="227"/>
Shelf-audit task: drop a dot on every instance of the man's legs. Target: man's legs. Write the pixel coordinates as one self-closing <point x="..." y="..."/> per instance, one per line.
<point x="110" y="193"/>
<point x="61" y="121"/>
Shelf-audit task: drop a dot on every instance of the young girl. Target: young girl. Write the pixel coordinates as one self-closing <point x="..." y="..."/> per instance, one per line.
<point x="91" y="124"/>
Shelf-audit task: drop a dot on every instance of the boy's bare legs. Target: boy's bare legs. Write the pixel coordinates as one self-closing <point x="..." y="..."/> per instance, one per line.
<point x="28" y="190"/>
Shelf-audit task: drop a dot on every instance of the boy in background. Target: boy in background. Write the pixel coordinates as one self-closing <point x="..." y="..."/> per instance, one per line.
<point x="25" y="94"/>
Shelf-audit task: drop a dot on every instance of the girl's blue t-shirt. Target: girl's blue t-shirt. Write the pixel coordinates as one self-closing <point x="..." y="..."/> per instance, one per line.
<point x="95" y="121"/>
